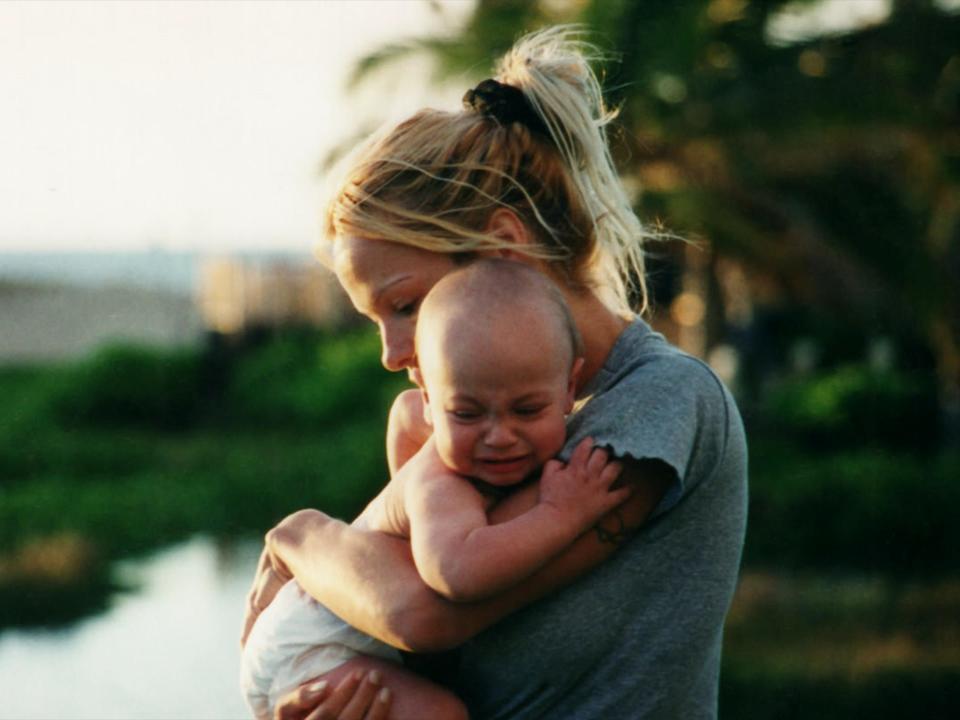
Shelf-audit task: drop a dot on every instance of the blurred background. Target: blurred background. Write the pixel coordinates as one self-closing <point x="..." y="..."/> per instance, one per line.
<point x="177" y="373"/>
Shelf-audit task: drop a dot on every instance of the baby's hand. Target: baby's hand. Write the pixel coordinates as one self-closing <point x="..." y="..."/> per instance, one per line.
<point x="580" y="490"/>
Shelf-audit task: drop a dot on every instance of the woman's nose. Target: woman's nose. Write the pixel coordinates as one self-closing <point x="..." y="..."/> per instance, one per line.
<point x="397" y="349"/>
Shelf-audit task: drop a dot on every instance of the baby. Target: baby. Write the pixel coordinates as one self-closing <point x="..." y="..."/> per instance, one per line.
<point x="498" y="361"/>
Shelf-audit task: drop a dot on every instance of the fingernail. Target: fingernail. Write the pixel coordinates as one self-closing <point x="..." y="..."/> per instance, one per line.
<point x="357" y="675"/>
<point x="374" y="677"/>
<point x="318" y="686"/>
<point x="384" y="695"/>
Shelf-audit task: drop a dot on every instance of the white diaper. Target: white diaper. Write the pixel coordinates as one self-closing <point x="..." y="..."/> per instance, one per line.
<point x="294" y="640"/>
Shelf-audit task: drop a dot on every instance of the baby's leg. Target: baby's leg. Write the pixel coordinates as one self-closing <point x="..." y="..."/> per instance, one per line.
<point x="412" y="697"/>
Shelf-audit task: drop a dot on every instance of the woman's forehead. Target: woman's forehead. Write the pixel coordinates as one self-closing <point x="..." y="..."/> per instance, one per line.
<point x="354" y="257"/>
<point x="371" y="262"/>
<point x="365" y="259"/>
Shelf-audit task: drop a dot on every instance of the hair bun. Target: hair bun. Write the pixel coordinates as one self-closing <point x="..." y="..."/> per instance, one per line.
<point x="504" y="103"/>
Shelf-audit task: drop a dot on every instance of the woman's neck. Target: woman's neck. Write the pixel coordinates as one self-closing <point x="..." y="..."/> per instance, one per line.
<point x="599" y="328"/>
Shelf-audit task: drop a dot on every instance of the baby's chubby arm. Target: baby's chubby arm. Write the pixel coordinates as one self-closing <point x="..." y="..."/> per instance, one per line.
<point x="407" y="430"/>
<point x="464" y="558"/>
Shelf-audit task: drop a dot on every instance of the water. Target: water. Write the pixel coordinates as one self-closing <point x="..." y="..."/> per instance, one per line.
<point x="169" y="650"/>
<point x="169" y="271"/>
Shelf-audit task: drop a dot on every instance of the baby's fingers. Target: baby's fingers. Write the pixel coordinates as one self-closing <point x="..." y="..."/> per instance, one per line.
<point x="581" y="453"/>
<point x="552" y="466"/>
<point x="610" y="473"/>
<point x="598" y="461"/>
<point x="613" y="499"/>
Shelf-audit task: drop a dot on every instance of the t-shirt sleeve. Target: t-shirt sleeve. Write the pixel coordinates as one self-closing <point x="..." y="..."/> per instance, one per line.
<point x="671" y="408"/>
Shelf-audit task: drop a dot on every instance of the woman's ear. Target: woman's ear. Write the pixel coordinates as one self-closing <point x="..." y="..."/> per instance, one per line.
<point x="572" y="385"/>
<point x="427" y="417"/>
<point x="505" y="225"/>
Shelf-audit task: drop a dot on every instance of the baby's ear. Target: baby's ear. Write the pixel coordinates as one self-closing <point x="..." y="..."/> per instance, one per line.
<point x="427" y="417"/>
<point x="572" y="384"/>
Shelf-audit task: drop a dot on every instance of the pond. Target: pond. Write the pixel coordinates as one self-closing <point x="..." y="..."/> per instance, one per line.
<point x="169" y="649"/>
<point x="795" y="644"/>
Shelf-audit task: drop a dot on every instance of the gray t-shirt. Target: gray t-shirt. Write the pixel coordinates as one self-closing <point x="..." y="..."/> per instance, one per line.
<point x="638" y="636"/>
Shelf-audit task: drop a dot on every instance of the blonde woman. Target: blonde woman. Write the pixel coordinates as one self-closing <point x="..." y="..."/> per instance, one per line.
<point x="627" y="620"/>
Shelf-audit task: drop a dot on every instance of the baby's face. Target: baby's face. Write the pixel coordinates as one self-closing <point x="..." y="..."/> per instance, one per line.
<point x="497" y="407"/>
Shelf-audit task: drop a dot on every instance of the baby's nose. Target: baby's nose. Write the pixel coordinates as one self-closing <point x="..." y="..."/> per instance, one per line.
<point x="500" y="435"/>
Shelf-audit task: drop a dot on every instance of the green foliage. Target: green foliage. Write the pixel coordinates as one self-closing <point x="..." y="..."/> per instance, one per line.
<point x="822" y="163"/>
<point x="759" y="694"/>
<point x="134" y="386"/>
<point x="312" y="381"/>
<point x="30" y="451"/>
<point x="40" y="603"/>
<point x="99" y="451"/>
<point x="863" y="510"/>
<point x="854" y="406"/>
<point x="223" y="483"/>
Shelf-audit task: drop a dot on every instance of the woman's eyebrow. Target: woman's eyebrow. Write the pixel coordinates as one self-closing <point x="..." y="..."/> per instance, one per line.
<point x="387" y="285"/>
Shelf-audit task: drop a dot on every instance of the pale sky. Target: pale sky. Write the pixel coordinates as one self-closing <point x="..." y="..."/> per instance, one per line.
<point x="188" y="125"/>
<point x="200" y="125"/>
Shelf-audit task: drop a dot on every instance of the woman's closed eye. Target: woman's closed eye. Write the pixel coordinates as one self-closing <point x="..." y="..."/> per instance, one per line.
<point x="406" y="308"/>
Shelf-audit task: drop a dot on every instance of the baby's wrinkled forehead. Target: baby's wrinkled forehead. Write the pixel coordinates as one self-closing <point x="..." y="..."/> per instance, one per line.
<point x="496" y="302"/>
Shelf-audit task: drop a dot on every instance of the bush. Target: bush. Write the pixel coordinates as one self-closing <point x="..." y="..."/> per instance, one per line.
<point x="127" y="385"/>
<point x="855" y="406"/>
<point x="861" y="510"/>
<point x="759" y="694"/>
<point x="314" y="382"/>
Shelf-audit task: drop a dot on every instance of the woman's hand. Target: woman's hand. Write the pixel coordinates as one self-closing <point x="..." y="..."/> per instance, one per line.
<point x="271" y="576"/>
<point x="272" y="572"/>
<point x="358" y="696"/>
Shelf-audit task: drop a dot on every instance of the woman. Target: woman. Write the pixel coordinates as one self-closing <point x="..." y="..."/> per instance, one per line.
<point x="628" y="620"/>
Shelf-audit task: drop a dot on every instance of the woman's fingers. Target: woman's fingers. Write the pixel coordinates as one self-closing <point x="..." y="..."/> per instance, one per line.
<point x="358" y="696"/>
<point x="252" y="608"/>
<point x="363" y="699"/>
<point x="381" y="706"/>
<point x="266" y="585"/>
<point x="297" y="703"/>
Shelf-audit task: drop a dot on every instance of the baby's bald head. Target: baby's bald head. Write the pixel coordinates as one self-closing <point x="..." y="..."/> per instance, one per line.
<point x="495" y="301"/>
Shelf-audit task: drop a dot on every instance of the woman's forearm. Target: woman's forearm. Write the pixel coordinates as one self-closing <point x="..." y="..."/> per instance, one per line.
<point x="366" y="577"/>
<point x="369" y="579"/>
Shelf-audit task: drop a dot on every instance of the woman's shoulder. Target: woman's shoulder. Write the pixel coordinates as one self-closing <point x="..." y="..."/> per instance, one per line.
<point x="644" y="366"/>
<point x="653" y="401"/>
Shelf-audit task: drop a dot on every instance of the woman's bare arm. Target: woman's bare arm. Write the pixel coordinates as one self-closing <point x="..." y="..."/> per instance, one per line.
<point x="369" y="579"/>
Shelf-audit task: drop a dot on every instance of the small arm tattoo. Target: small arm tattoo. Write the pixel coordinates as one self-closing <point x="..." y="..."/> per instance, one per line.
<point x="613" y="536"/>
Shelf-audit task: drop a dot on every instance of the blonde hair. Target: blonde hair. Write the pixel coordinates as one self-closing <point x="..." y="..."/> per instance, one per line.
<point x="434" y="180"/>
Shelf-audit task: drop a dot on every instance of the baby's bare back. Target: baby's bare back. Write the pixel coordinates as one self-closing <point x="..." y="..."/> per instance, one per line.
<point x="423" y="473"/>
<point x="386" y="513"/>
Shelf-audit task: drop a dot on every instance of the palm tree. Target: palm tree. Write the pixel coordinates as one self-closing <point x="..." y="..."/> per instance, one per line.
<point x="821" y="172"/>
